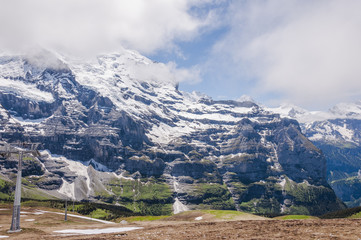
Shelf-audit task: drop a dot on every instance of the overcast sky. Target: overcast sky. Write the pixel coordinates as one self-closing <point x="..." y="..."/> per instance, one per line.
<point x="305" y="52"/>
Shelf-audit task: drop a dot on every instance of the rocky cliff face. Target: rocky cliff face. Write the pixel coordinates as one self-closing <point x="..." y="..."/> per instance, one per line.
<point x="113" y="134"/>
<point x="337" y="133"/>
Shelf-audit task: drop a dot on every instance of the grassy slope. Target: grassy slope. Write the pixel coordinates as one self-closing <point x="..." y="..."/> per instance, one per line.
<point x="224" y="214"/>
<point x="147" y="197"/>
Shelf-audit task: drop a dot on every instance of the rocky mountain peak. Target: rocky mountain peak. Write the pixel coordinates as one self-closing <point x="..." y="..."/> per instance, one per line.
<point x="118" y="121"/>
<point x="337" y="132"/>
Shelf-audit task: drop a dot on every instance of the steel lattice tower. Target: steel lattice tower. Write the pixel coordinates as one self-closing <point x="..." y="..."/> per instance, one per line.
<point x="7" y="151"/>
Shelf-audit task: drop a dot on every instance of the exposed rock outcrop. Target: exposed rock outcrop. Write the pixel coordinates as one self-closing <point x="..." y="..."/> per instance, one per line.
<point x="141" y="136"/>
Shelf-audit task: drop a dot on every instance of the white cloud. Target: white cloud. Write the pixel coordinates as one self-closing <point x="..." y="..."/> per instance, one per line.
<point x="89" y="27"/>
<point x="98" y="25"/>
<point x="307" y="52"/>
<point x="161" y="72"/>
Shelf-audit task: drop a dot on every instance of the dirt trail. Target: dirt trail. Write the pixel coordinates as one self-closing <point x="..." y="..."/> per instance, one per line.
<point x="42" y="226"/>
<point x="249" y="229"/>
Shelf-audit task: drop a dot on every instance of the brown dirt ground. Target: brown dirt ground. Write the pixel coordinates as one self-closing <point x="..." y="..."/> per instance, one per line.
<point x="173" y="229"/>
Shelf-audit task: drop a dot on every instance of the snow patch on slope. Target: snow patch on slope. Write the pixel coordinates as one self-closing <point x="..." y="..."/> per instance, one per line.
<point x="29" y="91"/>
<point x="3" y="113"/>
<point x="67" y="188"/>
<point x="346" y="133"/>
<point x="23" y="121"/>
<point x="69" y="232"/>
<point x="331" y="132"/>
<point x="179" y="207"/>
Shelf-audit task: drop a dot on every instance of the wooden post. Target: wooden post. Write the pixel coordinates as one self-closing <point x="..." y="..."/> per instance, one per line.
<point x="66" y="210"/>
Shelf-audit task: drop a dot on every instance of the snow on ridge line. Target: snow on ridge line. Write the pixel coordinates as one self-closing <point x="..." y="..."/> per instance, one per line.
<point x="341" y="110"/>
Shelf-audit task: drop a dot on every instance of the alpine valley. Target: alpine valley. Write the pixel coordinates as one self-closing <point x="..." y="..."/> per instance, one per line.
<point x="113" y="129"/>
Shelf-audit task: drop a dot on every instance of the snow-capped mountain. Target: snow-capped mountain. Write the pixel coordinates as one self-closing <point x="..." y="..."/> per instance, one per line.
<point x="337" y="133"/>
<point x="338" y="124"/>
<point x="347" y="110"/>
<point x="116" y="127"/>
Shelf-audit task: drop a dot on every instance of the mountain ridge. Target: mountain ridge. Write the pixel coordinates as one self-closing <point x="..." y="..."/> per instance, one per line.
<point x="337" y="133"/>
<point x="130" y="135"/>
